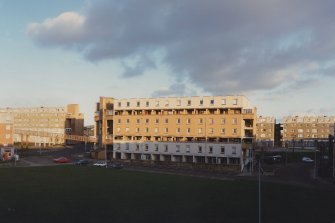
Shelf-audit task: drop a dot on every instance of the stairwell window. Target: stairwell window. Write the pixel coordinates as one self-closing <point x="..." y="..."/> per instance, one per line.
<point x="222" y="150"/>
<point x="199" y="149"/>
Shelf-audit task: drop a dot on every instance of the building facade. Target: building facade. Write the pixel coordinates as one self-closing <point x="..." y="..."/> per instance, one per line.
<point x="46" y="121"/>
<point x="265" y="131"/>
<point x="177" y="129"/>
<point x="6" y="130"/>
<point x="306" y="131"/>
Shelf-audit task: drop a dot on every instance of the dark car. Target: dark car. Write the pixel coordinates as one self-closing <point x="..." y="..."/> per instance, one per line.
<point x="81" y="162"/>
<point x="116" y="166"/>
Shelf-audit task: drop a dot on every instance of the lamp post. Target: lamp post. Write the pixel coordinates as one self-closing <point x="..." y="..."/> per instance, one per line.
<point x="315" y="169"/>
<point x="259" y="191"/>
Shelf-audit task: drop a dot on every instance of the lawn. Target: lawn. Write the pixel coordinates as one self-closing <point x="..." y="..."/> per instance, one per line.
<point x="87" y="194"/>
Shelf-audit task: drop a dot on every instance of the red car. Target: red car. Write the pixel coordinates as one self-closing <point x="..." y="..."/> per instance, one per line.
<point x="62" y="160"/>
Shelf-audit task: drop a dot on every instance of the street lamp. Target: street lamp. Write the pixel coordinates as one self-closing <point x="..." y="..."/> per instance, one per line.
<point x="315" y="170"/>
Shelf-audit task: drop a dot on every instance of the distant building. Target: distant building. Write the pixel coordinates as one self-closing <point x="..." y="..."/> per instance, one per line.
<point x="265" y="131"/>
<point x="209" y="129"/>
<point x="46" y="121"/>
<point x="6" y="129"/>
<point x="306" y="131"/>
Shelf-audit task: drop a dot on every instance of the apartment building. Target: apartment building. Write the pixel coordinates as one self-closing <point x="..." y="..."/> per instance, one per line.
<point x="6" y="129"/>
<point x="46" y="121"/>
<point x="178" y="129"/>
<point x="306" y="131"/>
<point x="265" y="131"/>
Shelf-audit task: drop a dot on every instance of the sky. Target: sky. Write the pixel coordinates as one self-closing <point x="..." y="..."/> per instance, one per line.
<point x="278" y="53"/>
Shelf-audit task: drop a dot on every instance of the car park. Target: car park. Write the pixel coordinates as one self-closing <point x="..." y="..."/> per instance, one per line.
<point x="100" y="164"/>
<point x="306" y="159"/>
<point x="81" y="162"/>
<point x="62" y="160"/>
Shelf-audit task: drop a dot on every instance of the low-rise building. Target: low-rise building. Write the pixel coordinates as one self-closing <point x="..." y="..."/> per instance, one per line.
<point x="306" y="131"/>
<point x="44" y="123"/>
<point x="265" y="131"/>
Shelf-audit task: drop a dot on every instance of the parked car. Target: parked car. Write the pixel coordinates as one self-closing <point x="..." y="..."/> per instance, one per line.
<point x="116" y="166"/>
<point x="306" y="159"/>
<point x="81" y="162"/>
<point x="100" y="164"/>
<point x="62" y="160"/>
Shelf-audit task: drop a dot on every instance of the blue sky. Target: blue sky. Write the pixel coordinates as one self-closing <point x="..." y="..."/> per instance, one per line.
<point x="280" y="54"/>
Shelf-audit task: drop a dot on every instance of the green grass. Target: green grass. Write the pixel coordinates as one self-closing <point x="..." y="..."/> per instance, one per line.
<point x="81" y="194"/>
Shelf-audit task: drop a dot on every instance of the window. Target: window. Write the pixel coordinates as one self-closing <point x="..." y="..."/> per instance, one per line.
<point x="119" y="104"/>
<point x="223" y="131"/>
<point x="118" y="146"/>
<point x="128" y="103"/>
<point x="167" y="103"/>
<point x="223" y="121"/>
<point x="127" y="146"/>
<point x="188" y="148"/>
<point x="177" y="148"/>
<point x="146" y="148"/>
<point x="137" y="130"/>
<point x="189" y="102"/>
<point x="188" y="121"/>
<point x="199" y="149"/>
<point x="156" y="130"/>
<point x="157" y="120"/>
<point x="211" y="131"/>
<point x="119" y="121"/>
<point x="178" y="102"/>
<point x="234" y="131"/>
<point x="166" y="120"/>
<point x="127" y="121"/>
<point x="127" y="129"/>
<point x="178" y="130"/>
<point x="138" y="104"/>
<point x="137" y="147"/>
<point x="146" y="129"/>
<point x="201" y="102"/>
<point x="211" y="121"/>
<point x="200" y="131"/>
<point x="223" y="101"/>
<point x="234" y="121"/>
<point x="210" y="149"/>
<point x="138" y="121"/>
<point x="188" y="130"/>
<point x="147" y="104"/>
<point x="233" y="150"/>
<point x="212" y="102"/>
<point x="147" y="121"/>
<point x="156" y="147"/>
<point x="157" y="103"/>
<point x="166" y="148"/>
<point x="178" y="120"/>
<point x="166" y="130"/>
<point x="118" y="129"/>
<point x="235" y="102"/>
<point x="222" y="150"/>
<point x="200" y="120"/>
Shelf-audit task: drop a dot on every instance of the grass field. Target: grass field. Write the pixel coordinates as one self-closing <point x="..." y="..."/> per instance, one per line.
<point x="86" y="194"/>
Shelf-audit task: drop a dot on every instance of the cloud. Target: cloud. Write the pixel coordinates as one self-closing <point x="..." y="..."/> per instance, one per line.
<point x="66" y="29"/>
<point x="220" y="46"/>
<point x="177" y="89"/>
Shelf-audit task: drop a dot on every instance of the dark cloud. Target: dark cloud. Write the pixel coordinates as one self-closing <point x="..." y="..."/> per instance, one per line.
<point x="220" y="46"/>
<point x="177" y="89"/>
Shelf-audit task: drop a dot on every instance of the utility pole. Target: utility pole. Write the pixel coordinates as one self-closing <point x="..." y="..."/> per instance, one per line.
<point x="259" y="191"/>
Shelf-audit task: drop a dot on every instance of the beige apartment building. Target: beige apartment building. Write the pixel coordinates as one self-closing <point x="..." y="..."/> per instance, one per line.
<point x="6" y="130"/>
<point x="209" y="129"/>
<point x="305" y="131"/>
<point x="49" y="122"/>
<point x="265" y="131"/>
